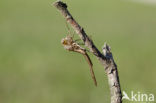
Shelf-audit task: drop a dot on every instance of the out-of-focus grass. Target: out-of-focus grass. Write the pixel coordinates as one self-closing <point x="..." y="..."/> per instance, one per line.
<point x="34" y="68"/>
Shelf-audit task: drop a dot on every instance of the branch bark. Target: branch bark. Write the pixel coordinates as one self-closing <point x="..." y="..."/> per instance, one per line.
<point x="106" y="58"/>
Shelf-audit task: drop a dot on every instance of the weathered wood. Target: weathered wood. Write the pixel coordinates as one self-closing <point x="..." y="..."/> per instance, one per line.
<point x="106" y="58"/>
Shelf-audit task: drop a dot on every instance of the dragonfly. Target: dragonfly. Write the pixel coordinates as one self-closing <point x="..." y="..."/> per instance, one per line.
<point x="70" y="44"/>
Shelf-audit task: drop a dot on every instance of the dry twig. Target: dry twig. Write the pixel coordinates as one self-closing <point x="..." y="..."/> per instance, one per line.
<point x="106" y="58"/>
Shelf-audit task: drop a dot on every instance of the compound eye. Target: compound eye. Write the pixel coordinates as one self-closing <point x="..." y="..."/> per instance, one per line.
<point x="65" y="42"/>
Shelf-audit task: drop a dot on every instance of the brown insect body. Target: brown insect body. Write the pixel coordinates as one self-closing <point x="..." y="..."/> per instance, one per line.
<point x="71" y="45"/>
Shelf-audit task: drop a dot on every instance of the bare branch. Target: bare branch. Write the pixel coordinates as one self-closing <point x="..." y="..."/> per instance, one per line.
<point x="106" y="58"/>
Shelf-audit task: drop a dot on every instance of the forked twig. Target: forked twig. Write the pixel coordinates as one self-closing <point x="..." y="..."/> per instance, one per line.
<point x="106" y="58"/>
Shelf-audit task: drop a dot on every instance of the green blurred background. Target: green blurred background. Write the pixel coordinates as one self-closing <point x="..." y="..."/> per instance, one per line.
<point x="34" y="67"/>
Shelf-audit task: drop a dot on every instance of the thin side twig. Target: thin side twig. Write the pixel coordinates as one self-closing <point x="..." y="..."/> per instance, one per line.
<point x="106" y="58"/>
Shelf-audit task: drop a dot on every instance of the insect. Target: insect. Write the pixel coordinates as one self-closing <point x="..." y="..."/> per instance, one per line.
<point x="71" y="45"/>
